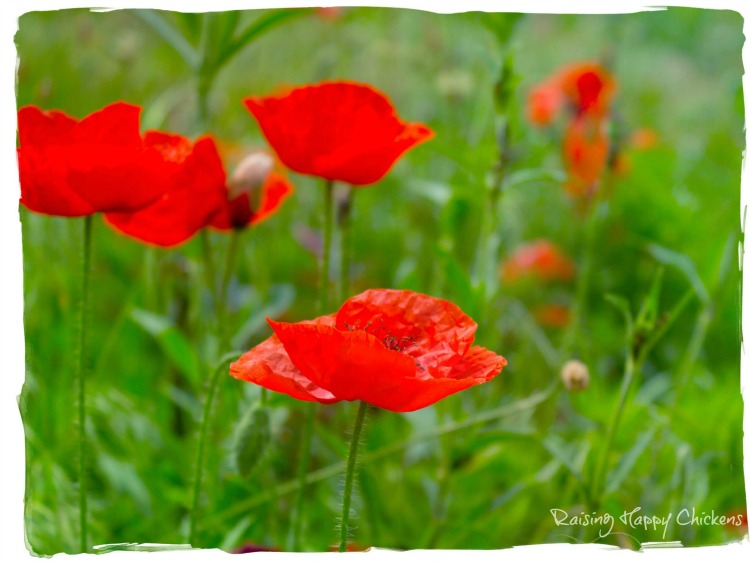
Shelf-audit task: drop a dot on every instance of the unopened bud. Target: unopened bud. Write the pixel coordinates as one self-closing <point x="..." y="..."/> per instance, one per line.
<point x="575" y="375"/>
<point x="250" y="174"/>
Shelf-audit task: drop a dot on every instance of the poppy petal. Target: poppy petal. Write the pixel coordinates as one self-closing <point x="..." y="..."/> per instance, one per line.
<point x="339" y="131"/>
<point x="175" y="217"/>
<point x="434" y="331"/>
<point x="42" y="163"/>
<point x="269" y="366"/>
<point x="351" y="365"/>
<point x="238" y="213"/>
<point x="478" y="366"/>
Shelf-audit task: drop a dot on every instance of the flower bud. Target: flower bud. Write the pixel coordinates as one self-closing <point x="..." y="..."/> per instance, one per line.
<point x="575" y="375"/>
<point x="250" y="174"/>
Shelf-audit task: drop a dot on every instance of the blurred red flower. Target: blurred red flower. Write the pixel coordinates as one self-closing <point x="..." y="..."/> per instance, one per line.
<point x="339" y="131"/>
<point x="540" y="259"/>
<point x="589" y="87"/>
<point x="332" y="13"/>
<point x="585" y="154"/>
<point x="552" y="315"/>
<point x="545" y="101"/>
<point x="255" y="192"/>
<point x="397" y="350"/>
<point x="643" y="139"/>
<point x="98" y="164"/>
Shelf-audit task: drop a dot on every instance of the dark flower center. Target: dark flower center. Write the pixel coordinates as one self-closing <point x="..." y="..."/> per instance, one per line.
<point x="391" y="341"/>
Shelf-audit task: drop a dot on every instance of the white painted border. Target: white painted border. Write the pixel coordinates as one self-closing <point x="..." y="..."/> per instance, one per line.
<point x="11" y="296"/>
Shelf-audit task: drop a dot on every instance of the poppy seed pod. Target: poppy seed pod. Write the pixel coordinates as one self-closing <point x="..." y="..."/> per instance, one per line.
<point x="575" y="375"/>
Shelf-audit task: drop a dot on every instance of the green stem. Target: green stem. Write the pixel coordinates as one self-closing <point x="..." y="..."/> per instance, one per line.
<point x="351" y="465"/>
<point x="327" y="236"/>
<point x="345" y="225"/>
<point x="522" y="405"/>
<point x="82" y="357"/>
<point x="203" y="432"/>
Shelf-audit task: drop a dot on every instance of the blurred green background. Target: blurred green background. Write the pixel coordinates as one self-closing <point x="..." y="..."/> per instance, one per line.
<point x="481" y="469"/>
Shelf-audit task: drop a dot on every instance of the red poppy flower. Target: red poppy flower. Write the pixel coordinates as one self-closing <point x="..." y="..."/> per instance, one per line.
<point x="195" y="194"/>
<point x="540" y="259"/>
<point x="255" y="192"/>
<point x="199" y="196"/>
<point x="585" y="154"/>
<point x="339" y="131"/>
<point x="397" y="350"/>
<point x="98" y="164"/>
<point x="589" y="87"/>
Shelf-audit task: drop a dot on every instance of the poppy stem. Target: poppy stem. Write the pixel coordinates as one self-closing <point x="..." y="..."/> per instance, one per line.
<point x="351" y="465"/>
<point x="327" y="236"/>
<point x="82" y="361"/>
<point x="345" y="225"/>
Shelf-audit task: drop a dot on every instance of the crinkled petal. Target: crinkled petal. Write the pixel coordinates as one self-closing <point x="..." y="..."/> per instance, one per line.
<point x="478" y="366"/>
<point x="351" y="365"/>
<point x="435" y="332"/>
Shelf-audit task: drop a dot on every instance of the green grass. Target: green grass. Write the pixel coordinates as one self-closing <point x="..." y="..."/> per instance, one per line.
<point x="481" y="469"/>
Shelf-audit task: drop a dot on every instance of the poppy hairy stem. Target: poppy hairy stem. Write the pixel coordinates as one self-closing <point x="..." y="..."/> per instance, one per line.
<point x="351" y="465"/>
<point x="82" y="357"/>
<point x="522" y="405"/>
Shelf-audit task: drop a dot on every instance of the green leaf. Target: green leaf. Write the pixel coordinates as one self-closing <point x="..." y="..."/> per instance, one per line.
<point x="458" y="281"/>
<point x="264" y="23"/>
<point x="174" y="344"/>
<point x="122" y="477"/>
<point x="650" y="309"/>
<point x="626" y="463"/>
<point x="684" y="264"/>
<point x="571" y="455"/>
<point x="280" y="299"/>
<point x="623" y="306"/>
<point x="171" y="35"/>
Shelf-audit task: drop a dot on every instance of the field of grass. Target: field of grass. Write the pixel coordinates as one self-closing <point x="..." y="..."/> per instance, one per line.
<point x="483" y="468"/>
